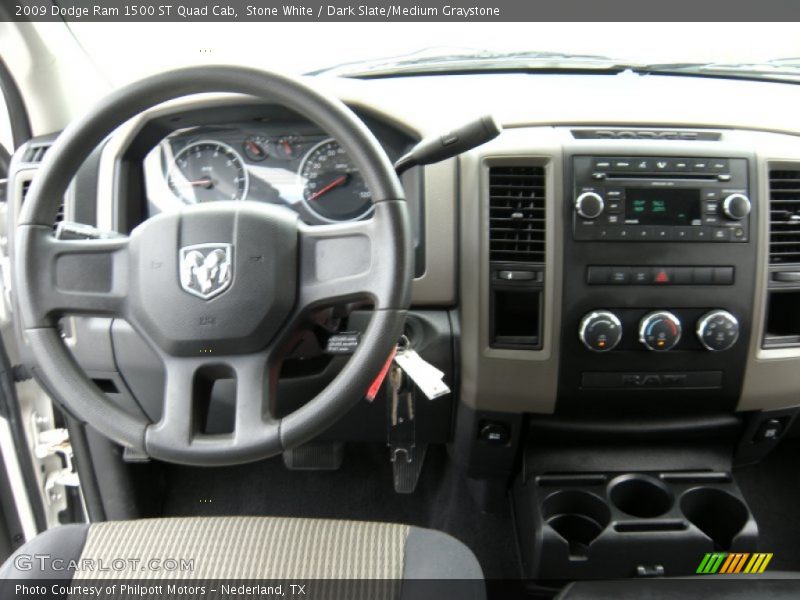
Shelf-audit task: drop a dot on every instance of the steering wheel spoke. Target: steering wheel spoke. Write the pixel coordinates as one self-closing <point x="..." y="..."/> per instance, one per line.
<point x="180" y="436"/>
<point x="351" y="261"/>
<point x="73" y="276"/>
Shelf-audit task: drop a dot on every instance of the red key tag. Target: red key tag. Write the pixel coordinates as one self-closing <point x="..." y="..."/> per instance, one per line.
<point x="378" y="382"/>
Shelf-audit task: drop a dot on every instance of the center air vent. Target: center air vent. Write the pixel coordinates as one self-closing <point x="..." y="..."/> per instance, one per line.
<point x="517" y="214"/>
<point x="784" y="216"/>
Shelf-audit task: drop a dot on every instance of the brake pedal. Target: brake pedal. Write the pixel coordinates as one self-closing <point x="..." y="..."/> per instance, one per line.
<point x="315" y="456"/>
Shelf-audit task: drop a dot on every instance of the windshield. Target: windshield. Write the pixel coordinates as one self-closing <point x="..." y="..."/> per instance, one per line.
<point x="390" y="48"/>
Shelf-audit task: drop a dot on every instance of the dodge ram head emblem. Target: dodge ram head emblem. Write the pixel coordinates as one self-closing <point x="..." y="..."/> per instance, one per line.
<point x="206" y="269"/>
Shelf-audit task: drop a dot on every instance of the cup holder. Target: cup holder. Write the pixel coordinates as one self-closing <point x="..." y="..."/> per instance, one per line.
<point x="716" y="513"/>
<point x="640" y="496"/>
<point x="578" y="517"/>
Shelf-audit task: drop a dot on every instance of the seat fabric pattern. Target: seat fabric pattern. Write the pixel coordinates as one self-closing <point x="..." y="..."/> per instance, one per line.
<point x="250" y="548"/>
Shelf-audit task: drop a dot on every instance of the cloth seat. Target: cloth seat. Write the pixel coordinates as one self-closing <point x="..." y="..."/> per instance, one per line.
<point x="391" y="561"/>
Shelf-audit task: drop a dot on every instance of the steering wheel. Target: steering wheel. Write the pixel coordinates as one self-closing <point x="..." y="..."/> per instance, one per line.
<point x="215" y="289"/>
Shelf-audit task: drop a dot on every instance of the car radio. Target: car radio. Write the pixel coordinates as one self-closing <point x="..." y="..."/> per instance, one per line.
<point x="669" y="199"/>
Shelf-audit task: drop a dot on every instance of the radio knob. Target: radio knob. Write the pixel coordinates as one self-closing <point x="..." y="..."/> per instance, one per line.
<point x="736" y="206"/>
<point x="600" y="330"/>
<point x="660" y="331"/>
<point x="718" y="330"/>
<point x="589" y="205"/>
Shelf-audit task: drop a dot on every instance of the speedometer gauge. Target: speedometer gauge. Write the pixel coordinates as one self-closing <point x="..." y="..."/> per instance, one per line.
<point x="208" y="171"/>
<point x="334" y="190"/>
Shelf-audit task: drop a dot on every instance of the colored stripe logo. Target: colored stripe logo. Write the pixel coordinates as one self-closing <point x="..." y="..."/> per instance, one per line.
<point x="734" y="562"/>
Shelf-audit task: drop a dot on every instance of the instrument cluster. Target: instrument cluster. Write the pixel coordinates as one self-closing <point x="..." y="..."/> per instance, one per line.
<point x="296" y="165"/>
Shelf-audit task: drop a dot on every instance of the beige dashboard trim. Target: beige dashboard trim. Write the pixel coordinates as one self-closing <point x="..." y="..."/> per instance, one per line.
<point x="494" y="379"/>
<point x="772" y="378"/>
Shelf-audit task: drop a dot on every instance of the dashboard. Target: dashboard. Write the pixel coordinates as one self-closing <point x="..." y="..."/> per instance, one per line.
<point x="291" y="164"/>
<point x="527" y="246"/>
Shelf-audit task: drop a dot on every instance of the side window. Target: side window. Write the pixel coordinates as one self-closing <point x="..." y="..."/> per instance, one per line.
<point x="6" y="143"/>
<point x="5" y="125"/>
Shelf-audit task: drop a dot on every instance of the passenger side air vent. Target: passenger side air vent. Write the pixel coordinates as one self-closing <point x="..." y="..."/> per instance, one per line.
<point x="646" y="134"/>
<point x="784" y="216"/>
<point x="516" y="255"/>
<point x="517" y="214"/>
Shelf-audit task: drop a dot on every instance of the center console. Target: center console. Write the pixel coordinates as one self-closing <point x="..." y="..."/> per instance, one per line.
<point x="659" y="273"/>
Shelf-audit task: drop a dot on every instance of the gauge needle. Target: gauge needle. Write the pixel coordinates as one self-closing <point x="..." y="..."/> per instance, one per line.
<point x="254" y="148"/>
<point x="207" y="183"/>
<point x="342" y="179"/>
<point x="287" y="148"/>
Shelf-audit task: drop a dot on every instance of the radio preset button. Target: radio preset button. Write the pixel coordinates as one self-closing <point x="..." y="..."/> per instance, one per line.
<point x="681" y="233"/>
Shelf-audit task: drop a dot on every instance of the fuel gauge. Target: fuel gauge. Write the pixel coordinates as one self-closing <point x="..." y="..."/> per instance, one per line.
<point x="256" y="148"/>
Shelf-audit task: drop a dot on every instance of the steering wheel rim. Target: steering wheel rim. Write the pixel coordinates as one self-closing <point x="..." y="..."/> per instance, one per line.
<point x="369" y="259"/>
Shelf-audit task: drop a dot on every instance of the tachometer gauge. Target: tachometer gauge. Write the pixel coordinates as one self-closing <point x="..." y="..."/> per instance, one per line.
<point x="208" y="171"/>
<point x="255" y="148"/>
<point x="333" y="189"/>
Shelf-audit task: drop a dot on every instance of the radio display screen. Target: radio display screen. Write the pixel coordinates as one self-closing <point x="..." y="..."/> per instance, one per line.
<point x="648" y="206"/>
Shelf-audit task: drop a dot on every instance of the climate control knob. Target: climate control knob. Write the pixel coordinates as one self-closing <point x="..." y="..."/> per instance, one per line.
<point x="660" y="330"/>
<point x="600" y="330"/>
<point x="589" y="205"/>
<point x="718" y="330"/>
<point x="736" y="206"/>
